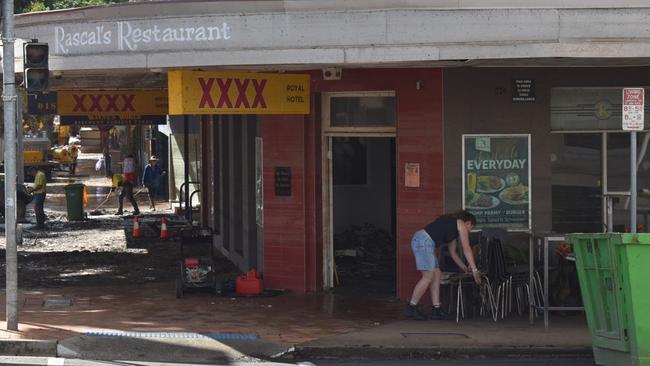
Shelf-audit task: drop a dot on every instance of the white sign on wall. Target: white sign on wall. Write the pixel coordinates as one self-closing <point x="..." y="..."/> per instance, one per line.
<point x="633" y="103"/>
<point x="140" y="35"/>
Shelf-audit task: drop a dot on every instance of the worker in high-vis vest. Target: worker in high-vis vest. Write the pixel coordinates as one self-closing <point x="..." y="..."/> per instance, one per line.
<point x="119" y="180"/>
<point x="74" y="155"/>
<point x="38" y="191"/>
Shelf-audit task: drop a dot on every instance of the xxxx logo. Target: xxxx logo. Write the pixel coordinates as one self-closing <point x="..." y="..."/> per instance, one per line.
<point x="111" y="102"/>
<point x="223" y="86"/>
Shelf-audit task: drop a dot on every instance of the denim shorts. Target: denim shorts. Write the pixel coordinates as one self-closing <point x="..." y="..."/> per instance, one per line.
<point x="423" y="249"/>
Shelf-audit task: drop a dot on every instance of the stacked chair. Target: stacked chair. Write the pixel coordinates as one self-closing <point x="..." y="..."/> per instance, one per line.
<point x="503" y="290"/>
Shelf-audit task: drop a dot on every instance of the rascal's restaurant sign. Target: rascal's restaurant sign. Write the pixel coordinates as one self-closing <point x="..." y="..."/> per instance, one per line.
<point x="204" y="92"/>
<point x="112" y="107"/>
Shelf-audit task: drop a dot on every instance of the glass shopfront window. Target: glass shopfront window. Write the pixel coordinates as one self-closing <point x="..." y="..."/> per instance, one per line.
<point x="362" y="111"/>
<point x="576" y="183"/>
<point x="579" y="174"/>
<point x="591" y="156"/>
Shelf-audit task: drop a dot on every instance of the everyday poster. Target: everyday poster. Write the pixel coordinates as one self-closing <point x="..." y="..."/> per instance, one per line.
<point x="496" y="180"/>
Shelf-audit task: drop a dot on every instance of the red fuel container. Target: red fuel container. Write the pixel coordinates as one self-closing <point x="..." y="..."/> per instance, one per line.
<point x="249" y="284"/>
<point x="191" y="263"/>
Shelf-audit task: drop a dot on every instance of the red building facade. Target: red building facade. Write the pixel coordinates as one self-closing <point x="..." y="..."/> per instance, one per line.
<point x="293" y="225"/>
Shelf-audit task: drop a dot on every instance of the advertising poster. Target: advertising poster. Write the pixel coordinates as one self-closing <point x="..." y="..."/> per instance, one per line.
<point x="412" y="175"/>
<point x="496" y="180"/>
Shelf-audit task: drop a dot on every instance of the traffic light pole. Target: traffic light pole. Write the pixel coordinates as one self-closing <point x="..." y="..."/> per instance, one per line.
<point x="9" y="99"/>
<point x="20" y="160"/>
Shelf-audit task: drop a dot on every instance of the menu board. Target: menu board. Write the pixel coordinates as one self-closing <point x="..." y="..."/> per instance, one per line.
<point x="496" y="180"/>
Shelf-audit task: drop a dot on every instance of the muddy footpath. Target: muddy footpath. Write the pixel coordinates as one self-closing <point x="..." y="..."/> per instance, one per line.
<point x="89" y="252"/>
<point x="93" y="251"/>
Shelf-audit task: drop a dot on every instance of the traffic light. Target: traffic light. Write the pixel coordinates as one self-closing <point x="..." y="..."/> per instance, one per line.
<point x="35" y="65"/>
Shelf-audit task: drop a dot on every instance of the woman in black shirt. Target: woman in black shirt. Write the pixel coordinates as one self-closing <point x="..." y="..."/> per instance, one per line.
<point x="446" y="229"/>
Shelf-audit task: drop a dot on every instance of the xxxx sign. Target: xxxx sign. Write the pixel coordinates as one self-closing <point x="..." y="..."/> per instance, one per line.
<point x="199" y="92"/>
<point x="115" y="107"/>
<point x="112" y="102"/>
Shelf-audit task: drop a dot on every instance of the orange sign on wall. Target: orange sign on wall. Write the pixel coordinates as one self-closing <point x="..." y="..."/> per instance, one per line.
<point x="123" y="103"/>
<point x="203" y="92"/>
<point x="112" y="107"/>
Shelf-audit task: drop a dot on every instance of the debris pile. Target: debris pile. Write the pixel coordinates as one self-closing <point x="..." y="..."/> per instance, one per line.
<point x="364" y="251"/>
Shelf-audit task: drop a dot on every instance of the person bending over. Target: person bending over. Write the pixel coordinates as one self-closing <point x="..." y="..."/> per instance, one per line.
<point x="446" y="229"/>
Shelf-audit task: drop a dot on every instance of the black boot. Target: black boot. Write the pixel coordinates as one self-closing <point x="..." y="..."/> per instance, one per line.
<point x="413" y="313"/>
<point x="438" y="314"/>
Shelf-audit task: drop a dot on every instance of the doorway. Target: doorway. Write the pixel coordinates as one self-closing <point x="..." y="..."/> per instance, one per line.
<point x="359" y="193"/>
<point x="363" y="213"/>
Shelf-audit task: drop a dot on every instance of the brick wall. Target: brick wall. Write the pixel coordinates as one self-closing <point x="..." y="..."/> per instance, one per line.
<point x="284" y="216"/>
<point x="293" y="225"/>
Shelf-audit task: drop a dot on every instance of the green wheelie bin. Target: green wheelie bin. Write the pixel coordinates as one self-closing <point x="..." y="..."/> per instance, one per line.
<point x="74" y="197"/>
<point x="614" y="274"/>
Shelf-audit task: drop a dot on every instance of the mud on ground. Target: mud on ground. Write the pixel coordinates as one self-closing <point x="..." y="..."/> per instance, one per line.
<point x="90" y="252"/>
<point x="94" y="252"/>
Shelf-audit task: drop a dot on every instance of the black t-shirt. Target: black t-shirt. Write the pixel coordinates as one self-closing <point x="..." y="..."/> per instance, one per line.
<point x="443" y="230"/>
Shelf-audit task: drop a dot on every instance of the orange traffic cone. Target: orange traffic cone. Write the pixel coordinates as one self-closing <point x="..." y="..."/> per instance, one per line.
<point x="136" y="227"/>
<point x="164" y="234"/>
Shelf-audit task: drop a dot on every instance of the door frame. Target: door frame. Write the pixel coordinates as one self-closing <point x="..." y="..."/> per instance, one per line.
<point x="327" y="133"/>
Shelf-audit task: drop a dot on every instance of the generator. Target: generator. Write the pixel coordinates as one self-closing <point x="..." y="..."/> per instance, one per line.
<point x="196" y="262"/>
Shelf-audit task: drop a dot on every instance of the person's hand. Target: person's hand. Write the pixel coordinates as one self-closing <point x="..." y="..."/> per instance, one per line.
<point x="477" y="276"/>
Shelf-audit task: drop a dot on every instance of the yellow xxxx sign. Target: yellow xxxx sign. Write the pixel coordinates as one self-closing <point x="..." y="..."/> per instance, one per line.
<point x="203" y="92"/>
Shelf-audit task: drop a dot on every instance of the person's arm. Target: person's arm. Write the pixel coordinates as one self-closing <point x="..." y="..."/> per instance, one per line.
<point x="463" y="235"/>
<point x="454" y="255"/>
<point x="144" y="175"/>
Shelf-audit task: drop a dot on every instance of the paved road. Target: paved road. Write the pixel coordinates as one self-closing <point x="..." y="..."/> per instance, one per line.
<point x="466" y="362"/>
<point x="52" y="361"/>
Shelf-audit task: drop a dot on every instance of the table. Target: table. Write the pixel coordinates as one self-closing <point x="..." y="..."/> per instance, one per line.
<point x="542" y="247"/>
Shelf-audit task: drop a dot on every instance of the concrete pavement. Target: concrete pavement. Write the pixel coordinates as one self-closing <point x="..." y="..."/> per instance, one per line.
<point x="287" y="327"/>
<point x="399" y="339"/>
<point x="566" y="336"/>
<point x="28" y="347"/>
<point x="151" y="350"/>
<point x="478" y="361"/>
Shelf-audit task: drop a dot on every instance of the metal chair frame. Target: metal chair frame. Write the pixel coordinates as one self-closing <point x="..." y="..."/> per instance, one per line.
<point x="500" y="292"/>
